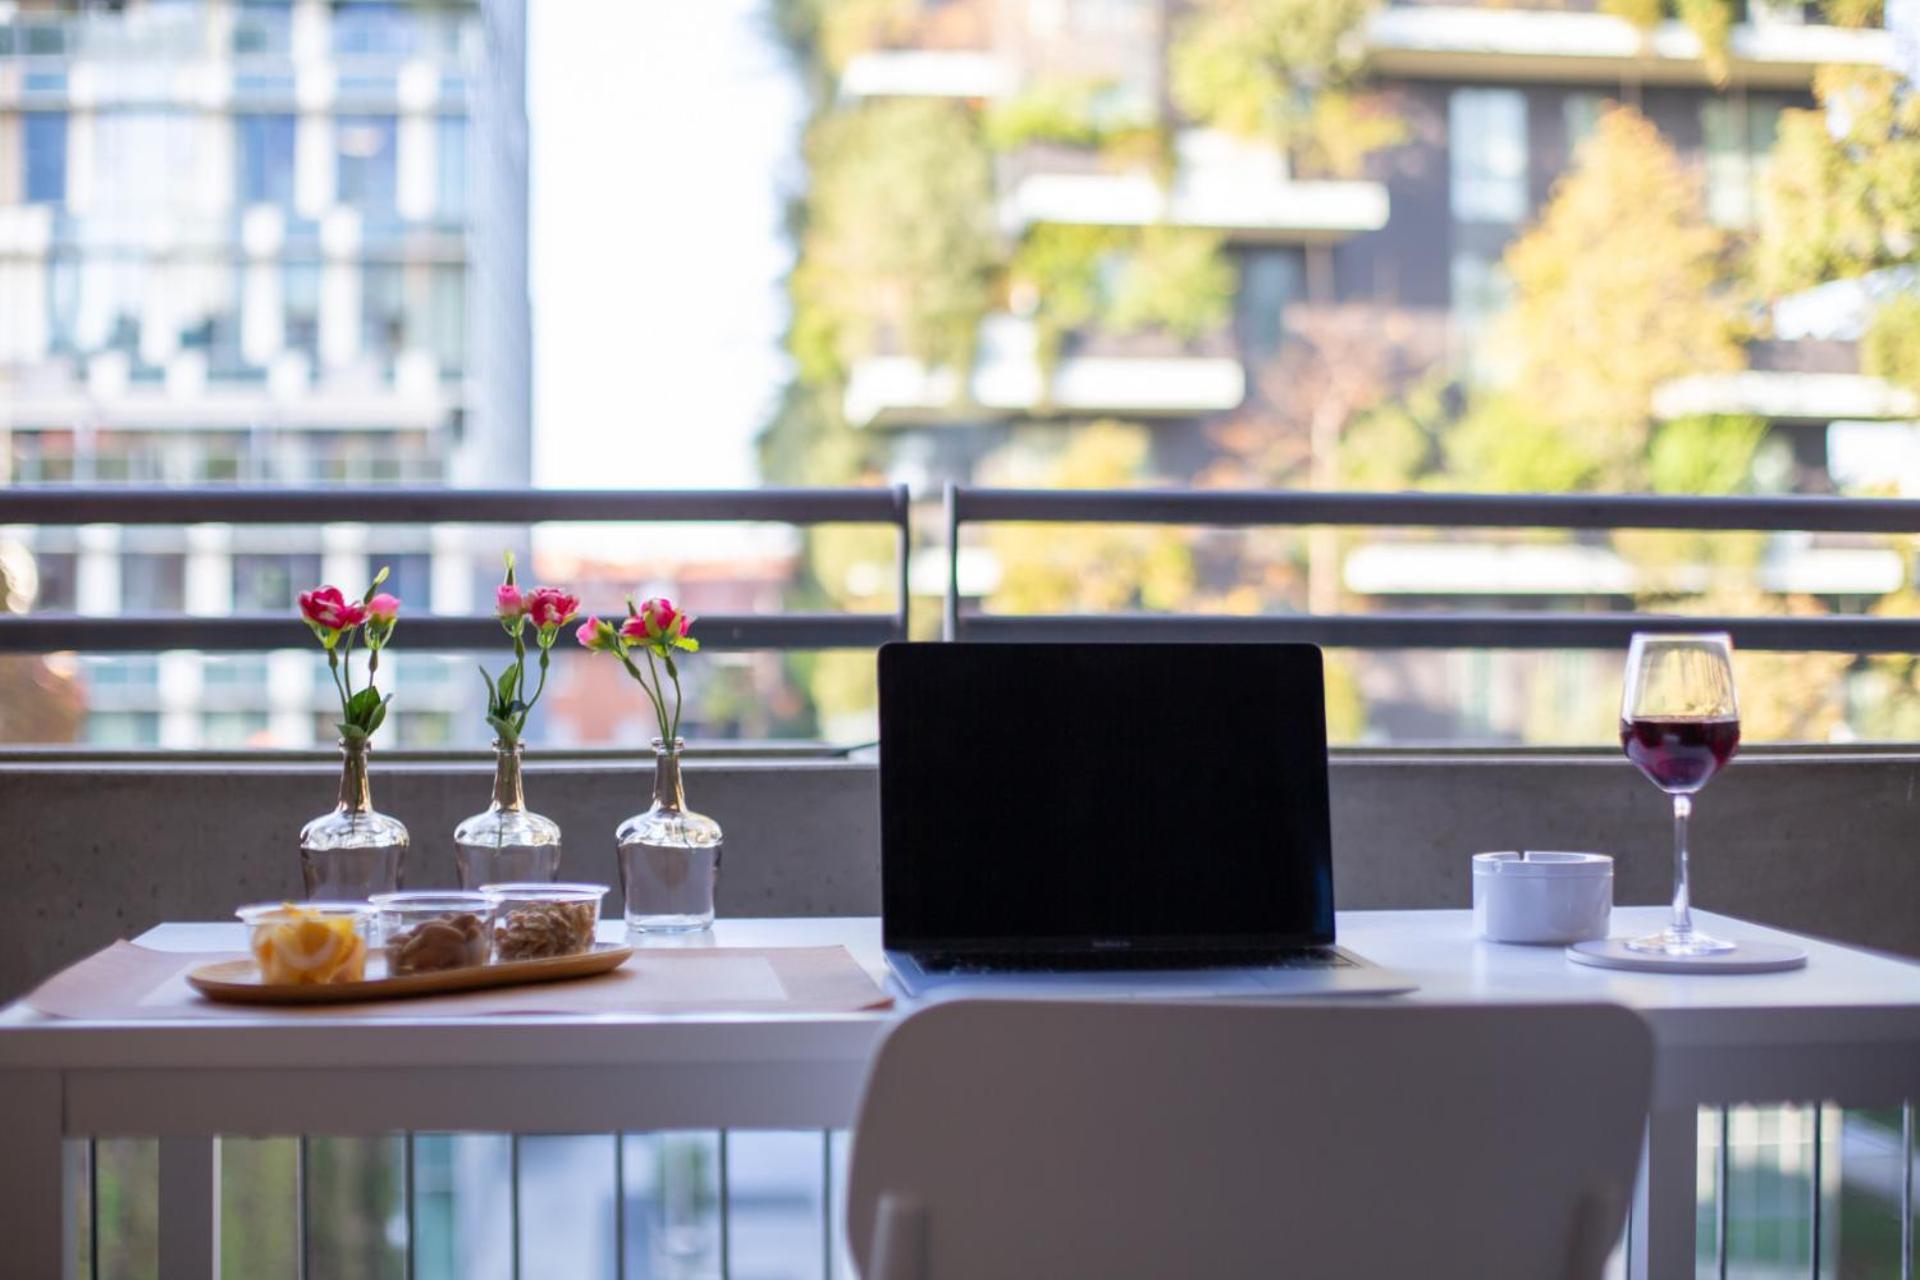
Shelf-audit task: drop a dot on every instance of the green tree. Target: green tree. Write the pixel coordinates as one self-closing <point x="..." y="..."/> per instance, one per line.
<point x="898" y="249"/>
<point x="1618" y="288"/>
<point x="1292" y="72"/>
<point x="1178" y="279"/>
<point x="1840" y="202"/>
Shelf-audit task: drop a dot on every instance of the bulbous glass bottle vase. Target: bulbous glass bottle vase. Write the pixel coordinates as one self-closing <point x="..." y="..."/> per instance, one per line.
<point x="508" y="843"/>
<point x="356" y="851"/>
<point x="669" y="855"/>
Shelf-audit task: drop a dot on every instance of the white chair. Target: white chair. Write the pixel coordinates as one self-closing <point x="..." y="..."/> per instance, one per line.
<point x="999" y="1140"/>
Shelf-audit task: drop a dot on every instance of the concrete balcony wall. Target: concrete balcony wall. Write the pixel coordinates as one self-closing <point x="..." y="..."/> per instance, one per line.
<point x="1822" y="842"/>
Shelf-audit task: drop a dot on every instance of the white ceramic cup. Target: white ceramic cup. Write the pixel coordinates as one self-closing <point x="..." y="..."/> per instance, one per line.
<point x="1542" y="897"/>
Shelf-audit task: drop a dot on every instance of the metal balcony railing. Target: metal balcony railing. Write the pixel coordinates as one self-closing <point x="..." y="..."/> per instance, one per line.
<point x="66" y="505"/>
<point x="1833" y="633"/>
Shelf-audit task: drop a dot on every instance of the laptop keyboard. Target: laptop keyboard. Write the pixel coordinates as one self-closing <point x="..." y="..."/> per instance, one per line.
<point x="1129" y="961"/>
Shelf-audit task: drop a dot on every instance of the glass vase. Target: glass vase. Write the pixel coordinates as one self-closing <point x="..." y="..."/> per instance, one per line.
<point x="356" y="851"/>
<point x="669" y="855"/>
<point x="508" y="842"/>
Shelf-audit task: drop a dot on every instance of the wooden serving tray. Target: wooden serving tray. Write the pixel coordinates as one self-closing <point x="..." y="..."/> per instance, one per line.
<point x="238" y="981"/>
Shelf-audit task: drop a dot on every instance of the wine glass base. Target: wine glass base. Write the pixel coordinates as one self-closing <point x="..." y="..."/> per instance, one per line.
<point x="1671" y="942"/>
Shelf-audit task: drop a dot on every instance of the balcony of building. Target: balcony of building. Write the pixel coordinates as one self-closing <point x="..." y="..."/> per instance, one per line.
<point x="1150" y="376"/>
<point x="1777" y="47"/>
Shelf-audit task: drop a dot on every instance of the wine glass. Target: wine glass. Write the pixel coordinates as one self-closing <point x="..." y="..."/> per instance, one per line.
<point x="1680" y="723"/>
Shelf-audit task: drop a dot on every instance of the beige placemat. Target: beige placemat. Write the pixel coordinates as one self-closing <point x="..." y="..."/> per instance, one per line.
<point x="126" y="981"/>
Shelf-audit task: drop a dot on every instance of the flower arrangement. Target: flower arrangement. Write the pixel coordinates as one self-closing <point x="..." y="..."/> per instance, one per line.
<point x="548" y="609"/>
<point x="654" y="630"/>
<point x="335" y="621"/>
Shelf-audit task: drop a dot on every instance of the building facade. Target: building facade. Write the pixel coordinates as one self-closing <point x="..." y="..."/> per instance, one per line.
<point x="265" y="244"/>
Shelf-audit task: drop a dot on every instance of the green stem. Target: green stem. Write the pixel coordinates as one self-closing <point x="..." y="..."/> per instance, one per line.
<point x="659" y="712"/>
<point x="660" y="700"/>
<point x="333" y="668"/>
<point x="538" y="690"/>
<point x="678" y="703"/>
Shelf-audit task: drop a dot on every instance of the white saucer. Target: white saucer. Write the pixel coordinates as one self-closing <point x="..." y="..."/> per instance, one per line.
<point x="1747" y="957"/>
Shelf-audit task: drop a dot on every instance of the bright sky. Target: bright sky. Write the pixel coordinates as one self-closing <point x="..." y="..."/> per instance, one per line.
<point x="663" y="143"/>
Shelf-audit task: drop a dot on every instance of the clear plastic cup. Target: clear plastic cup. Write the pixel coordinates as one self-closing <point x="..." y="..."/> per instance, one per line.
<point x="307" y="943"/>
<point x="430" y="930"/>
<point x="538" y="921"/>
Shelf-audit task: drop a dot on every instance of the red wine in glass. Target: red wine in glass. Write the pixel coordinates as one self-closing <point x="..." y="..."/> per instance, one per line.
<point x="1680" y="753"/>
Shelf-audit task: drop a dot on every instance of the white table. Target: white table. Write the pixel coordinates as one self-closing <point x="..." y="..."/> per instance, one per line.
<point x="1846" y="1029"/>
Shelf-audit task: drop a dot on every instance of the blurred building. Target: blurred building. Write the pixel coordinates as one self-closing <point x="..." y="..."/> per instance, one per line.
<point x="1494" y="98"/>
<point x="260" y="243"/>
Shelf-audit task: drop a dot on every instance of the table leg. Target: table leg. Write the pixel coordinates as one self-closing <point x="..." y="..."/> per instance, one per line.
<point x="1664" y="1199"/>
<point x="190" y="1206"/>
<point x="32" y="1174"/>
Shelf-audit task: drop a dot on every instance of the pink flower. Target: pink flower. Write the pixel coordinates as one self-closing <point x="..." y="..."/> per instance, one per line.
<point x="662" y="619"/>
<point x="596" y="635"/>
<point x="508" y="603"/>
<point x="383" y="607"/>
<point x="325" y="609"/>
<point x="551" y="607"/>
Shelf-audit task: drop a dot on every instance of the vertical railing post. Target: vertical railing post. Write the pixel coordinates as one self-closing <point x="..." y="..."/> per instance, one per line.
<point x="190" y="1206"/>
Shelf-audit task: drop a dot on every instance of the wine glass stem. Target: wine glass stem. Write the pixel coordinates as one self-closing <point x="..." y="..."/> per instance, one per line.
<point x="1682" y="901"/>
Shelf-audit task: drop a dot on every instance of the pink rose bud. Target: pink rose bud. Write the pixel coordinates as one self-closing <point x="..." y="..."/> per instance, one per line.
<point x="508" y="603"/>
<point x="383" y="607"/>
<point x="636" y="629"/>
<point x="595" y="635"/>
<point x="326" y="608"/>
<point x="551" y="607"/>
<point x="659" y="614"/>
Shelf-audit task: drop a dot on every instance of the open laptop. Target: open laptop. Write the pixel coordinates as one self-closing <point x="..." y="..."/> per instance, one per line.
<point x="1109" y="819"/>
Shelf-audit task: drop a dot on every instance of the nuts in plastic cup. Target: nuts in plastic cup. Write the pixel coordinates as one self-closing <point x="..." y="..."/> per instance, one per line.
<point x="534" y="921"/>
<point x="430" y="930"/>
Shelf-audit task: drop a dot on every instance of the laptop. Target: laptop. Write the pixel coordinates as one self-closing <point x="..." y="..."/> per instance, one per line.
<point x="1109" y="819"/>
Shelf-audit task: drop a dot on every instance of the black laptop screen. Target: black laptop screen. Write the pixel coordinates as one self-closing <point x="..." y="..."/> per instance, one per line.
<point x="1092" y="795"/>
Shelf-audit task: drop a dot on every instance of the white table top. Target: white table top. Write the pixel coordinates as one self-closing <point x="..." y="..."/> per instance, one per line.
<point x="1846" y="1001"/>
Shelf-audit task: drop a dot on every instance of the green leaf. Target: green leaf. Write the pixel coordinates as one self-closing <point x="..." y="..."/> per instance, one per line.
<point x="493" y="692"/>
<point x="509" y="684"/>
<point x="378" y="716"/>
<point x="350" y="732"/>
<point x="688" y="644"/>
<point x="503" y="727"/>
<point x="361" y="705"/>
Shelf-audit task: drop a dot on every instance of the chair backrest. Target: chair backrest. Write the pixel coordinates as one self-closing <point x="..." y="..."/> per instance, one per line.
<point x="1057" y="1139"/>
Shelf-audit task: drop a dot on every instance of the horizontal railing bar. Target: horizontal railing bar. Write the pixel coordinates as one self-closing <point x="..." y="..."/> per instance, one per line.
<point x="1828" y="634"/>
<point x="1234" y="508"/>
<point x="67" y="505"/>
<point x="55" y="633"/>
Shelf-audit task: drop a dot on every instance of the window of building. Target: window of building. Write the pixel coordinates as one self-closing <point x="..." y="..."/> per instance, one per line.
<point x="263" y="29"/>
<point x="264" y="159"/>
<point x="423" y="729"/>
<point x="450" y="165"/>
<point x="268" y="582"/>
<point x="57" y="587"/>
<point x="1580" y="116"/>
<point x="153" y="582"/>
<point x="1737" y="134"/>
<point x="1480" y="290"/>
<point x="233" y="728"/>
<point x="240" y="672"/>
<point x="122" y="677"/>
<point x="123" y="729"/>
<point x="367" y="175"/>
<point x="410" y="576"/>
<point x="372" y="29"/>
<point x="1487" y="154"/>
<point x="1269" y="280"/>
<point x="44" y="135"/>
